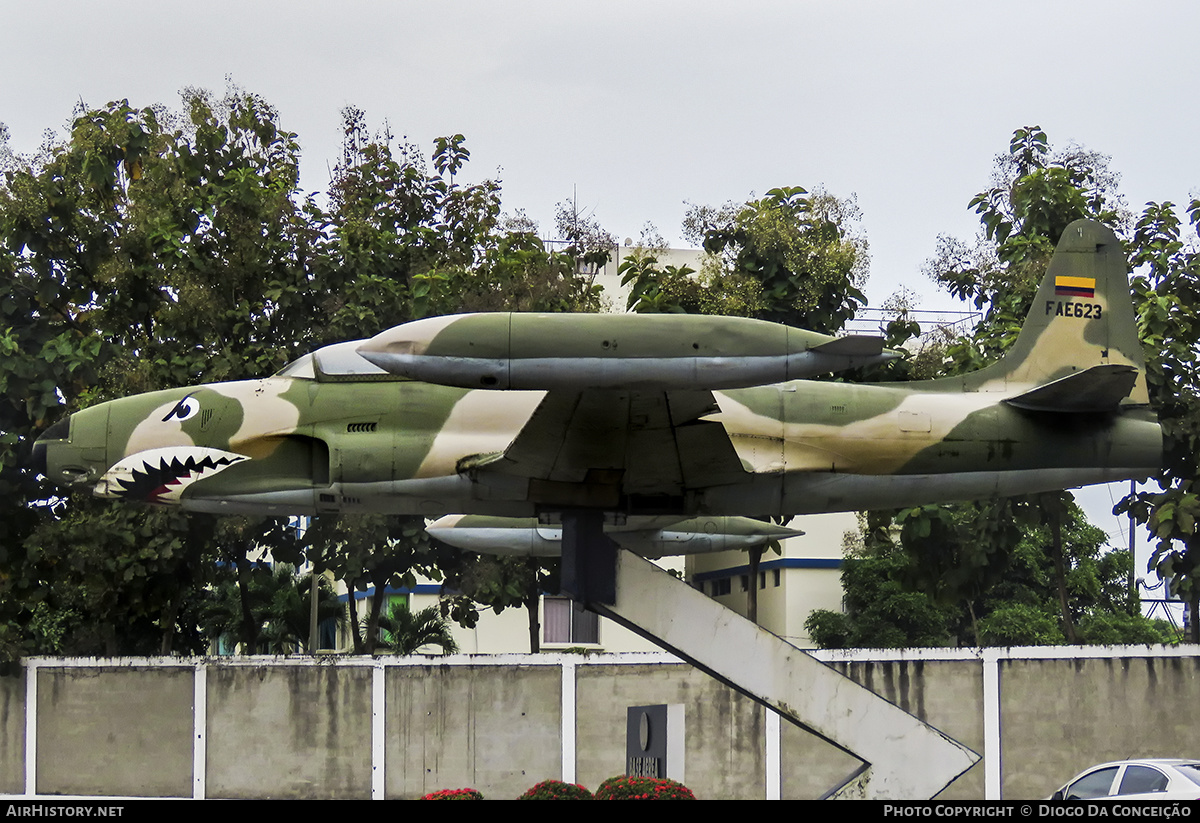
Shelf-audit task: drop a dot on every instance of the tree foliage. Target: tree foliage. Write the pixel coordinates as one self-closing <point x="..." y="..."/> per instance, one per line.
<point x="279" y="607"/>
<point x="406" y="632"/>
<point x="499" y="583"/>
<point x="138" y="256"/>
<point x="895" y="595"/>
<point x="1167" y="290"/>
<point x="1035" y="194"/>
<point x="972" y="553"/>
<point x="789" y="257"/>
<point x="151" y="248"/>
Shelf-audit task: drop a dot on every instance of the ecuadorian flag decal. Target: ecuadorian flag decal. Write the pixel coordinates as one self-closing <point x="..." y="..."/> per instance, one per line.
<point x="1075" y="286"/>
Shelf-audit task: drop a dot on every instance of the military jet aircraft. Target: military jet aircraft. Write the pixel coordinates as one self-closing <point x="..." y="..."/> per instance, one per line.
<point x="661" y="417"/>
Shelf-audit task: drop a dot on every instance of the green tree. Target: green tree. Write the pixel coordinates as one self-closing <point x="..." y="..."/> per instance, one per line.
<point x="49" y="350"/>
<point x="375" y="553"/>
<point x="1035" y="194"/>
<point x="279" y="605"/>
<point x="957" y="556"/>
<point x="881" y="609"/>
<point x="499" y="583"/>
<point x="897" y="594"/>
<point x="152" y="248"/>
<point x="406" y="632"/>
<point x="123" y="579"/>
<point x="408" y="243"/>
<point x="789" y="257"/>
<point x="1167" y="291"/>
<point x="587" y="241"/>
<point x="137" y="257"/>
<point x="393" y="227"/>
<point x="958" y="553"/>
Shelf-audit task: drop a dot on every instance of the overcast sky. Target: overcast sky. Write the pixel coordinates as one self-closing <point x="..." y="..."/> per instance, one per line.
<point x="640" y="107"/>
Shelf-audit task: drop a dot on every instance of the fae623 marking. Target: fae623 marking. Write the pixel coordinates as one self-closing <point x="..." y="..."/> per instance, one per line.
<point x="1072" y="308"/>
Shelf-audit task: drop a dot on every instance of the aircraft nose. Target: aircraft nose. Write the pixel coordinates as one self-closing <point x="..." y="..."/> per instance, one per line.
<point x="73" y="450"/>
<point x="38" y="459"/>
<point x="59" y="431"/>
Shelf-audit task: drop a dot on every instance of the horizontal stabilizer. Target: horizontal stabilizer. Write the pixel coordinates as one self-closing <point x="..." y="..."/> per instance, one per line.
<point x="1098" y="389"/>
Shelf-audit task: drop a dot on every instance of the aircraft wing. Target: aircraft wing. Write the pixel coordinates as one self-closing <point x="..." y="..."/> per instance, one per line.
<point x="597" y="447"/>
<point x="621" y="424"/>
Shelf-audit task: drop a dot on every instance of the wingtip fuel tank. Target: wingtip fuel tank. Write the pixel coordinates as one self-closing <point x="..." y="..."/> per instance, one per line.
<point x="528" y="351"/>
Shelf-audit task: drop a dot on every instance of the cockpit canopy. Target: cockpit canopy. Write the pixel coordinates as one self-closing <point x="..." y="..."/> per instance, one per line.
<point x="339" y="363"/>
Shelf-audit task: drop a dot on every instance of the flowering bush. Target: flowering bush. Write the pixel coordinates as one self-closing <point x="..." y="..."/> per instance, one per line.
<point x="556" y="790"/>
<point x="642" y="788"/>
<point x="454" y="794"/>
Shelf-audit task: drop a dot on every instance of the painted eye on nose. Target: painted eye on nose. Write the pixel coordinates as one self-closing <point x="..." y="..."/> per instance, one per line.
<point x="185" y="408"/>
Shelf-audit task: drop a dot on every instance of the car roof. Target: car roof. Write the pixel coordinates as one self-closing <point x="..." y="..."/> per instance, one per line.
<point x="1149" y="761"/>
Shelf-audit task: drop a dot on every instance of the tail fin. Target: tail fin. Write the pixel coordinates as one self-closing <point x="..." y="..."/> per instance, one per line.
<point x="1082" y="320"/>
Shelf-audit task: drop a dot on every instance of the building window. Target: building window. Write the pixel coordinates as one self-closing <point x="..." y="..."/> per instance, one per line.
<point x="722" y="586"/>
<point x="564" y="621"/>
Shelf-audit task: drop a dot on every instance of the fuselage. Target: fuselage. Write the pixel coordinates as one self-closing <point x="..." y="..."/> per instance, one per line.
<point x="304" y="445"/>
<point x="533" y="414"/>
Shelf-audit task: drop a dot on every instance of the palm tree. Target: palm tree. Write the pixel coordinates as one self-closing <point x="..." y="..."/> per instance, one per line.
<point x="404" y="632"/>
<point x="287" y="615"/>
<point x="278" y="602"/>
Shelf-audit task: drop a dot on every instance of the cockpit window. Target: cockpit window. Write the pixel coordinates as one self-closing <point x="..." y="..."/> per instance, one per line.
<point x="301" y="367"/>
<point x="338" y="363"/>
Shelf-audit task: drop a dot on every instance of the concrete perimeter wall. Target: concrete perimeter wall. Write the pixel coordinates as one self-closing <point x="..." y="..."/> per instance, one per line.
<point x="402" y="727"/>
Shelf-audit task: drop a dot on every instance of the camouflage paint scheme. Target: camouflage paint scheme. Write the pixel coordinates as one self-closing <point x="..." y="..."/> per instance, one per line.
<point x="640" y="416"/>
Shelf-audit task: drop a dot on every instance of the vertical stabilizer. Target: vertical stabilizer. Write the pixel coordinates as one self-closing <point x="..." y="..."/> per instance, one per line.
<point x="1082" y="318"/>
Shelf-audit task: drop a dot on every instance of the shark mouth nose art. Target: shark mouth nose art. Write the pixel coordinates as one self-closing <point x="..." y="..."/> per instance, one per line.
<point x="161" y="475"/>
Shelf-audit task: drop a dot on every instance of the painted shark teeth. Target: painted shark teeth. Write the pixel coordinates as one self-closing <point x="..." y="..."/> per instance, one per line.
<point x="161" y="475"/>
